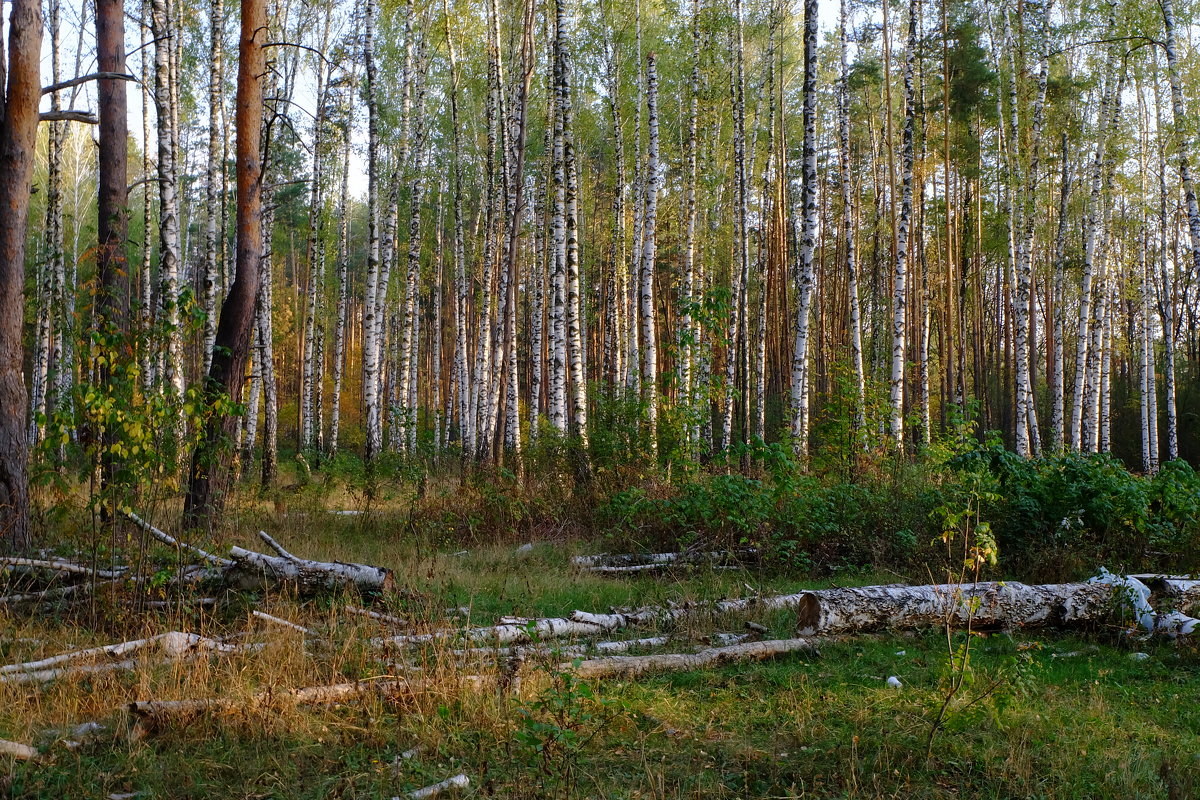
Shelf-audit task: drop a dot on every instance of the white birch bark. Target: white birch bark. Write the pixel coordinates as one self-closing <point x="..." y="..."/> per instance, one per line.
<point x="649" y="255"/>
<point x="900" y="282"/>
<point x="805" y="270"/>
<point x="214" y="178"/>
<point x="1024" y="222"/>
<point x="168" y="191"/>
<point x="1058" y="402"/>
<point x="370" y="344"/>
<point x="845" y="180"/>
<point x="574" y="307"/>
<point x="1182" y="137"/>
<point x="558" y="281"/>
<point x="343" y="271"/>
<point x="1107" y="116"/>
<point x="687" y="332"/>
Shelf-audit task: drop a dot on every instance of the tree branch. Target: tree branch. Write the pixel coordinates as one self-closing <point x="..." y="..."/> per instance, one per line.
<point x="82" y="79"/>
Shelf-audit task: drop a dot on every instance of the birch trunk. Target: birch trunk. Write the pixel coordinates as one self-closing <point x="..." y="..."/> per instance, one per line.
<point x="574" y="310"/>
<point x="1107" y="116"/>
<point x="1026" y="422"/>
<point x="343" y="300"/>
<point x="314" y="250"/>
<point x="687" y="332"/>
<point x="558" y="282"/>
<point x="808" y="239"/>
<point x="649" y="253"/>
<point x="900" y="285"/>
<point x="266" y="336"/>
<point x="1181" y="131"/>
<point x="373" y="420"/>
<point x="847" y="229"/>
<point x="170" y="251"/>
<point x="214" y="179"/>
<point x="1057" y="423"/>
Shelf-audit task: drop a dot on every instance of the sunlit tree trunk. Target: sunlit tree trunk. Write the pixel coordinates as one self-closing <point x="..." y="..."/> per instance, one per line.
<point x="205" y="495"/>
<point x="845" y="180"/>
<point x="170" y="249"/>
<point x="649" y="255"/>
<point x="900" y="281"/>
<point x="808" y="238"/>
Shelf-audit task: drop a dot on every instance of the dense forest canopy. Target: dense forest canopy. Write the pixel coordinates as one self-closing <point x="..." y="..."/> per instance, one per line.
<point x="651" y="230"/>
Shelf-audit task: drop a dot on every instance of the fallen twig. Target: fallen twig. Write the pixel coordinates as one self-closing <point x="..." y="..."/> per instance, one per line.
<point x="459" y="781"/>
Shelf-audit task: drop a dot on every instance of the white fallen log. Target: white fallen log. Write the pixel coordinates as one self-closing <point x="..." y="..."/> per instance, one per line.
<point x="983" y="605"/>
<point x="172" y="645"/>
<point x="251" y="570"/>
<point x="1135" y="595"/>
<point x="545" y="628"/>
<point x="1178" y="587"/>
<point x="632" y="666"/>
<point x="21" y="752"/>
<point x="59" y="565"/>
<point x="163" y="711"/>
<point x="572" y="651"/>
<point x="376" y="615"/>
<point x="54" y="594"/>
<point x="459" y="781"/>
<point x="171" y="541"/>
<point x="283" y="623"/>
<point x="642" y="561"/>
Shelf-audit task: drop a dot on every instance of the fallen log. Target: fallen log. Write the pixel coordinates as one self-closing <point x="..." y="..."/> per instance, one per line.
<point x="459" y="781"/>
<point x="21" y="752"/>
<point x="252" y="570"/>
<point x="633" y="666"/>
<point x="161" y="712"/>
<point x="59" y="565"/>
<point x="986" y="605"/>
<point x="376" y="615"/>
<point x="248" y="569"/>
<point x="173" y="645"/>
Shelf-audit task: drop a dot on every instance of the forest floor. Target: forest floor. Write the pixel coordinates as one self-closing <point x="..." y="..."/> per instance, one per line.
<point x="1038" y="714"/>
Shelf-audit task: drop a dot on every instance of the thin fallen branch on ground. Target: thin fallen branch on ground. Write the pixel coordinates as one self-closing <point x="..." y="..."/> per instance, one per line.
<point x="171" y="541"/>
<point x="281" y="622"/>
<point x="376" y="615"/>
<point x="633" y="666"/>
<point x="459" y="781"/>
<point x="173" y="645"/>
<point x="161" y="712"/>
<point x="59" y="565"/>
<point x="54" y="594"/>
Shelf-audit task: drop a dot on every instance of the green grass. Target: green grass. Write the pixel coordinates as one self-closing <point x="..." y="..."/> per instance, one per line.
<point x="1042" y="715"/>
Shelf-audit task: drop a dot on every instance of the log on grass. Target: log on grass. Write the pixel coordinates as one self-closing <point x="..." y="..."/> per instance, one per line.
<point x="987" y="605"/>
<point x="253" y="570"/>
<point x="159" y="713"/>
<point x="17" y="750"/>
<point x="633" y="666"/>
<point x="459" y="781"/>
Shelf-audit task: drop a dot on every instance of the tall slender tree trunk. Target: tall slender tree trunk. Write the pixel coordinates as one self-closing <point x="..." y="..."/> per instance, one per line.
<point x="847" y="230"/>
<point x="1181" y="130"/>
<point x="205" y="496"/>
<point x="1058" y="402"/>
<point x="170" y="250"/>
<point x="649" y="255"/>
<point x="370" y="346"/>
<point x="18" y="142"/>
<point x="808" y="238"/>
<point x="900" y="282"/>
<point x="214" y="178"/>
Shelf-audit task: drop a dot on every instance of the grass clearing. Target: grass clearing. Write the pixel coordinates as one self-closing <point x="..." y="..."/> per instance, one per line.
<point x="1041" y="716"/>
